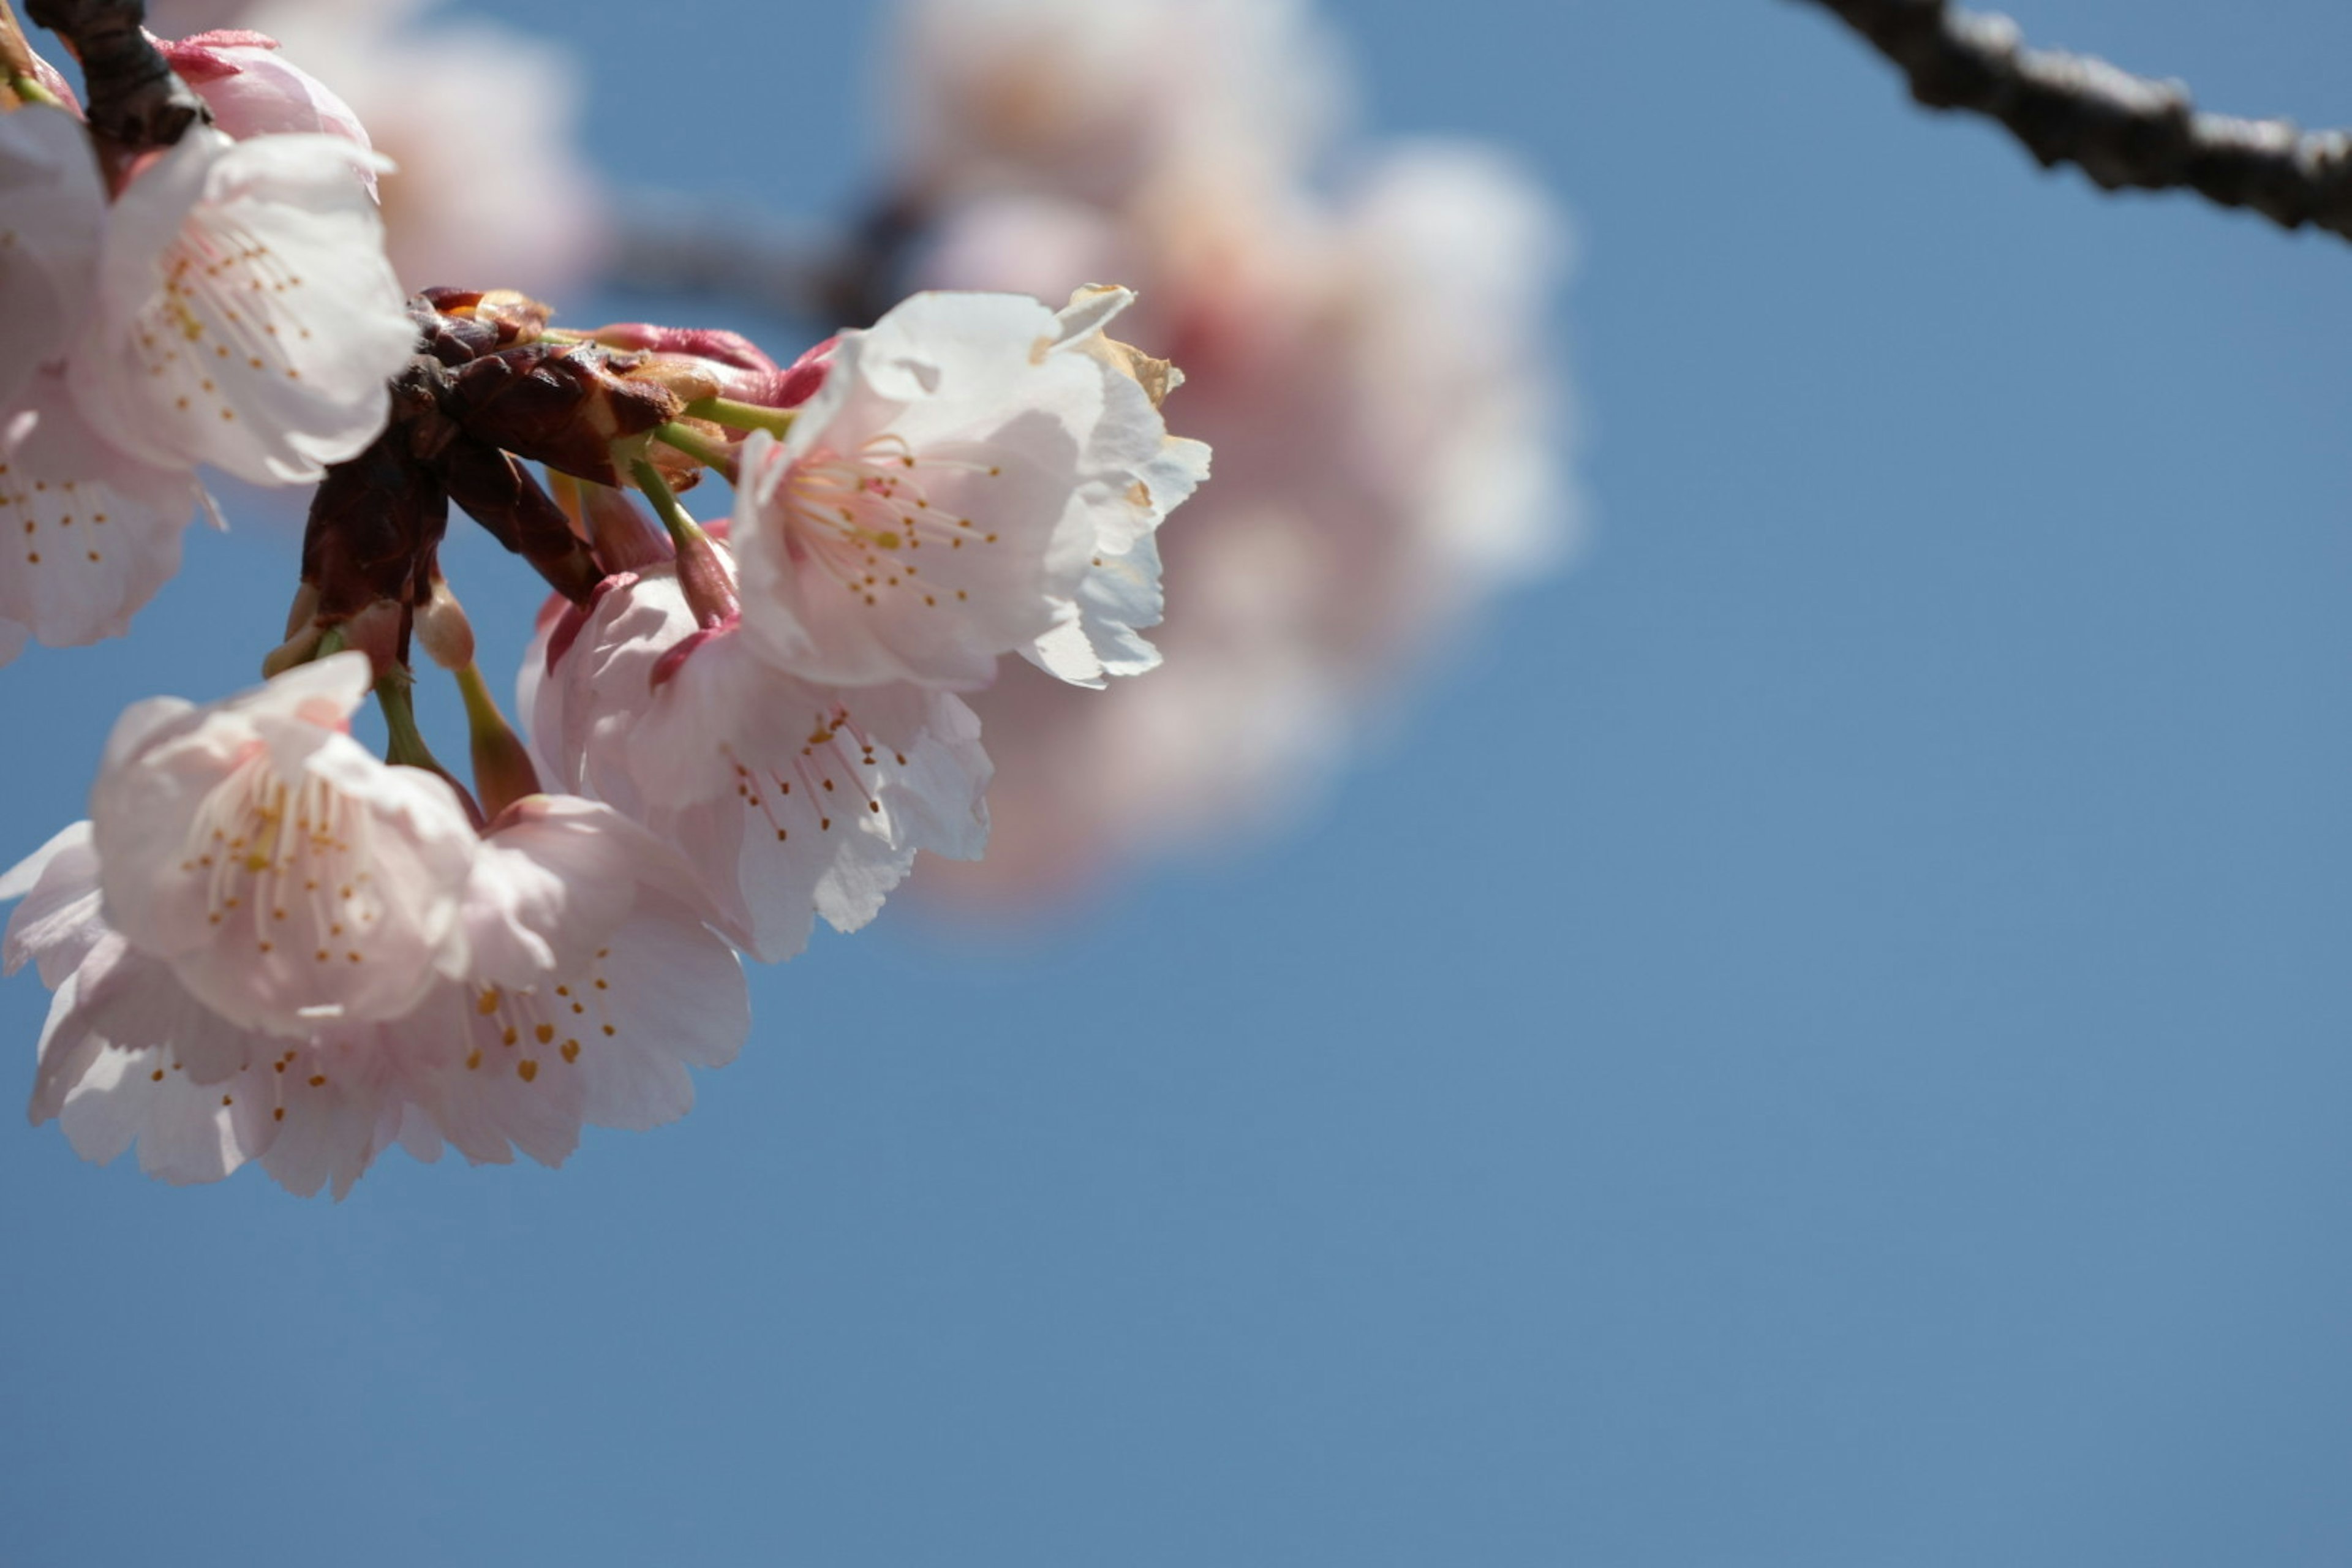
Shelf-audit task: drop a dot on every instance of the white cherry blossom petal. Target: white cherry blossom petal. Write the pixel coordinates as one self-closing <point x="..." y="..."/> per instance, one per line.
<point x="52" y="214"/>
<point x="57" y="921"/>
<point x="87" y="535"/>
<point x="109" y="1087"/>
<point x="789" y="799"/>
<point x="501" y="1069"/>
<point x="555" y="875"/>
<point x="1117" y="596"/>
<point x="310" y="1111"/>
<point x="246" y="315"/>
<point x="675" y="998"/>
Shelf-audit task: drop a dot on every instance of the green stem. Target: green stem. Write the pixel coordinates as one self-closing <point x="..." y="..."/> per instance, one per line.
<point x="406" y="742"/>
<point x="709" y="454"/>
<point x="481" y="708"/>
<point x="30" y="91"/>
<point x="707" y="581"/>
<point x="684" y="531"/>
<point x="330" y="641"/>
<point x="740" y="415"/>
<point x="502" y="767"/>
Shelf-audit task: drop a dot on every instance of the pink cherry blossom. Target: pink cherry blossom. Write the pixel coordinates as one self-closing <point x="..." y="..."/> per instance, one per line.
<point x="598" y="984"/>
<point x="254" y="91"/>
<point x="286" y="877"/>
<point x="790" y="799"/>
<point x="967" y="466"/>
<point x="175" y="327"/>
<point x="245" y="314"/>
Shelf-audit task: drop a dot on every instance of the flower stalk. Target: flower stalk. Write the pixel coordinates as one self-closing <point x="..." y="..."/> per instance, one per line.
<point x="740" y="415"/>
<point x="405" y="746"/>
<point x="711" y="455"/>
<point x="503" y="772"/>
<point x="710" y="586"/>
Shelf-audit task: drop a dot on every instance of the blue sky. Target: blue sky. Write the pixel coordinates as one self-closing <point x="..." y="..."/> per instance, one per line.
<point x="1825" y="1039"/>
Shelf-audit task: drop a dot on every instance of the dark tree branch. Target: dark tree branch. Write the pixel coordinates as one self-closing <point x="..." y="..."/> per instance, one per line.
<point x="135" y="101"/>
<point x="2123" y="130"/>
<point x="712" y="249"/>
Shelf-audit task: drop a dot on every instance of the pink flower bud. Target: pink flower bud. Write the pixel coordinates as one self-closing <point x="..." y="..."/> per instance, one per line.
<point x="253" y="90"/>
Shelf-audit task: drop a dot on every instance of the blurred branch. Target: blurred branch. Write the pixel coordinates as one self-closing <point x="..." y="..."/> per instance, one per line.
<point x="2122" y="130"/>
<point x="670" y="243"/>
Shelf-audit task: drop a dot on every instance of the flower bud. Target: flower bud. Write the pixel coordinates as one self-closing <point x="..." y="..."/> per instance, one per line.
<point x="443" y="630"/>
<point x="563" y="405"/>
<point x="375" y="631"/>
<point x="708" y="579"/>
<point x="700" y="343"/>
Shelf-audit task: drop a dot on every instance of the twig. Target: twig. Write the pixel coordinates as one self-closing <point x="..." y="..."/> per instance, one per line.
<point x="2122" y="130"/>
<point x="135" y="101"/>
<point x="671" y="243"/>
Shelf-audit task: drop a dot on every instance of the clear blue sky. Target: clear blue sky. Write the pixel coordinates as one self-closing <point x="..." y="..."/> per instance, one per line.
<point x="1831" y="1045"/>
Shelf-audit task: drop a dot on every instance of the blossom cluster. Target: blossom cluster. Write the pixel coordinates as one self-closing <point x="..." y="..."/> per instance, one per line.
<point x="225" y="303"/>
<point x="1362" y="327"/>
<point x="268" y="944"/>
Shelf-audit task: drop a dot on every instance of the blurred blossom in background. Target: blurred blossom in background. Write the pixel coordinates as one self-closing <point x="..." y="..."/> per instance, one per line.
<point x="1364" y="330"/>
<point x="483" y="120"/>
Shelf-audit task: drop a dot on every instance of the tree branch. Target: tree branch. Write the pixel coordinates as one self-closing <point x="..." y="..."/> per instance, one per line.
<point x="672" y="243"/>
<point x="135" y="101"/>
<point x="2123" y="130"/>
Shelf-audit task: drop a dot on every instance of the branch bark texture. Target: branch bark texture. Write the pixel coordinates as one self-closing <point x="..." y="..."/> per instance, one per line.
<point x="135" y="101"/>
<point x="2123" y="131"/>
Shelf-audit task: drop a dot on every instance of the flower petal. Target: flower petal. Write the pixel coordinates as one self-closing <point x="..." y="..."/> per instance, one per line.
<point x="87" y="535"/>
<point x="52" y="213"/>
<point x="246" y="315"/>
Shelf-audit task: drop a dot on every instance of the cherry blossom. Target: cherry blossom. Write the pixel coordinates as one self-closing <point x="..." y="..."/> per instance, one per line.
<point x="270" y="944"/>
<point x="111" y="397"/>
<point x="611" y="985"/>
<point x="285" y="876"/>
<point x="245" y="315"/>
<point x="968" y="465"/>
<point x="254" y="91"/>
<point x="790" y="799"/>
